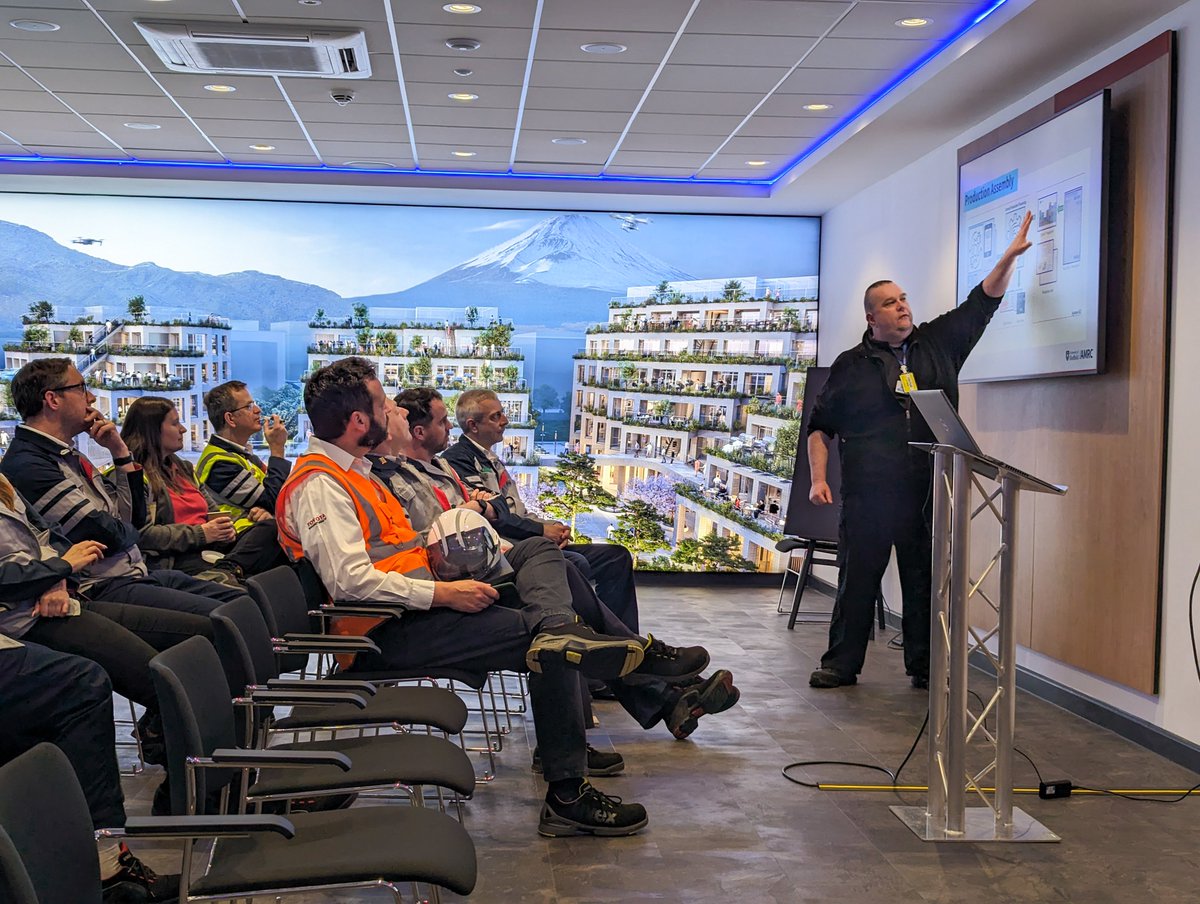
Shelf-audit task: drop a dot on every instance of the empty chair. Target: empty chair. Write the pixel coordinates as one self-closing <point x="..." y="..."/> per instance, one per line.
<point x="48" y="855"/>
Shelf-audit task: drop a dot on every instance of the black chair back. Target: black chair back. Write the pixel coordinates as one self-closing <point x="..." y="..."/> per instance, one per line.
<point x="197" y="714"/>
<point x="243" y="644"/>
<point x="284" y="604"/>
<point x="47" y="851"/>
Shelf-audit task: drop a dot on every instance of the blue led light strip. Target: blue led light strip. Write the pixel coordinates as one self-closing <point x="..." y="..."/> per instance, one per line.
<point x="887" y="89"/>
<point x="840" y="126"/>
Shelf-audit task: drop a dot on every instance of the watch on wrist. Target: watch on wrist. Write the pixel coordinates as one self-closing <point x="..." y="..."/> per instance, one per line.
<point x="122" y="460"/>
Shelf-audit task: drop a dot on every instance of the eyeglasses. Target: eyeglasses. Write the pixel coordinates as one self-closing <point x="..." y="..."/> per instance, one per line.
<point x="80" y="385"/>
<point x="250" y="404"/>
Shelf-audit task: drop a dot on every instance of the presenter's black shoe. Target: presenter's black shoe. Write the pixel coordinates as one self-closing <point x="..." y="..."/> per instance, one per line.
<point x="824" y="677"/>
<point x="921" y="682"/>
<point x="714" y="695"/>
<point x="579" y="647"/>
<point x="591" y="812"/>
<point x="671" y="664"/>
<point x="599" y="762"/>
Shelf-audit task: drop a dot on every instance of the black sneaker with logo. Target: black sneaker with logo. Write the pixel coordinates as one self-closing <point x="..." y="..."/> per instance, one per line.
<point x="672" y="664"/>
<point x="591" y="812"/>
<point x="136" y="882"/>
<point x="714" y="695"/>
<point x="599" y="762"/>
<point x="579" y="647"/>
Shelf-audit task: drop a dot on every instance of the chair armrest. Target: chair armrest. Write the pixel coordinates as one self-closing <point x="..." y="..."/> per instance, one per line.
<point x="274" y="697"/>
<point x="206" y="826"/>
<point x="324" y="685"/>
<point x="321" y="638"/>
<point x="321" y="646"/>
<point x="277" y="759"/>
<point x="340" y="608"/>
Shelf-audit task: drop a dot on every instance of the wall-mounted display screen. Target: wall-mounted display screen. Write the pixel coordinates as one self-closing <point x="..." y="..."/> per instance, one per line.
<point x="668" y="349"/>
<point x="1051" y="320"/>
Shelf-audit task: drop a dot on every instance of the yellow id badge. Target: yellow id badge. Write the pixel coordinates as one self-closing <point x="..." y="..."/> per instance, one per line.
<point x="908" y="382"/>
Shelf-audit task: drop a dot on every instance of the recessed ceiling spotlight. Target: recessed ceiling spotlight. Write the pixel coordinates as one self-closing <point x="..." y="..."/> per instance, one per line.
<point x="817" y="108"/>
<point x="369" y="164"/>
<point x="914" y="22"/>
<point x="463" y="153"/>
<point x="463" y="73"/>
<point x="463" y="9"/>
<point x="34" y="25"/>
<point x="463" y="45"/>
<point x="603" y="47"/>
<point x="462" y="96"/>
<point x="756" y="163"/>
<point x="309" y="2"/>
<point x="142" y="126"/>
<point x="220" y="89"/>
<point x="568" y="140"/>
<point x="262" y="147"/>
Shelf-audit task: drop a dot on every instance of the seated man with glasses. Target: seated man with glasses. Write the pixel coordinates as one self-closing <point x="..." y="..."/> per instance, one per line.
<point x="245" y="487"/>
<point x="66" y="489"/>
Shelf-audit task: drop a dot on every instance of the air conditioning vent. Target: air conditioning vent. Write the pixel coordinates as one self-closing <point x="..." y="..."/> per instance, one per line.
<point x="258" y="50"/>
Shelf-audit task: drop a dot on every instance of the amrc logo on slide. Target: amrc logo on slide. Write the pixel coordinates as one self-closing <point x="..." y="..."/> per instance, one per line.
<point x="1083" y="354"/>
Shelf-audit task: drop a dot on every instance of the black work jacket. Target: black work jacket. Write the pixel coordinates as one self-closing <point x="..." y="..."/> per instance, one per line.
<point x="873" y="422"/>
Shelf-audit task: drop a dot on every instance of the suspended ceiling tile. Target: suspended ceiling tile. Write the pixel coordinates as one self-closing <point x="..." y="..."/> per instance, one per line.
<point x="605" y="74"/>
<point x="660" y="158"/>
<point x="76" y="25"/>
<point x="248" y="87"/>
<point x="816" y="80"/>
<point x="482" y="117"/>
<point x="457" y="135"/>
<point x="644" y="47"/>
<point x="378" y="133"/>
<point x="496" y="43"/>
<point x="859" y="53"/>
<point x="496" y="158"/>
<point x="587" y="169"/>
<point x="241" y="150"/>
<point x="136" y="106"/>
<point x="664" y="172"/>
<point x="734" y="50"/>
<point x="752" y="147"/>
<point x="878" y="20"/>
<point x="346" y="11"/>
<point x="423" y="68"/>
<point x="494" y="13"/>
<point x="244" y="109"/>
<point x="364" y="114"/>
<point x="767" y="17"/>
<point x="636" y="141"/>
<point x="104" y="152"/>
<point x="780" y="104"/>
<point x="735" y="79"/>
<point x="94" y="58"/>
<point x="574" y="122"/>
<point x="613" y="15"/>
<point x="437" y="95"/>
<point x="738" y="104"/>
<point x="599" y="99"/>
<point x="797" y="129"/>
<point x="684" y="124"/>
<point x="254" y="132"/>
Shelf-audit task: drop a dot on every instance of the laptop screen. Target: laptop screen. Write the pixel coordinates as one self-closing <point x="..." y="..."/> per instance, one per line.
<point x="943" y="420"/>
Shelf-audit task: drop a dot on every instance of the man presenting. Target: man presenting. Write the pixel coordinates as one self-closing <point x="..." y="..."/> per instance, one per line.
<point x="885" y="482"/>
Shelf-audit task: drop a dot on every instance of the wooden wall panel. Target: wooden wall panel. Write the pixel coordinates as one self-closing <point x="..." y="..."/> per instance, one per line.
<point x="1089" y="578"/>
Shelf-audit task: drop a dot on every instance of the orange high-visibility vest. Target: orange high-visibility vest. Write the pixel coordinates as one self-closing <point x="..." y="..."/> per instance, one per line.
<point x="391" y="543"/>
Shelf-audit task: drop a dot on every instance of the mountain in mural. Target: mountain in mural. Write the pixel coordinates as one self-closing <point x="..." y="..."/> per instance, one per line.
<point x="564" y="268"/>
<point x="33" y="267"/>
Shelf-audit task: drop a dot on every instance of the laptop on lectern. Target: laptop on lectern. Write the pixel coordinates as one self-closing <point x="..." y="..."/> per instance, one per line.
<point x="949" y="430"/>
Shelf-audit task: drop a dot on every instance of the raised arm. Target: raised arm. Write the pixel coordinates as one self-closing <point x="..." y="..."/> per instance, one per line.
<point x="995" y="283"/>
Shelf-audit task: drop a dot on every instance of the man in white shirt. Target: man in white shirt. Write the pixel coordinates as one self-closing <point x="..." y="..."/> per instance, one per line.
<point x="357" y="537"/>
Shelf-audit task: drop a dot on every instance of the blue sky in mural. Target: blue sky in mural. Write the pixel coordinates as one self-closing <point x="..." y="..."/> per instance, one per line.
<point x="361" y="250"/>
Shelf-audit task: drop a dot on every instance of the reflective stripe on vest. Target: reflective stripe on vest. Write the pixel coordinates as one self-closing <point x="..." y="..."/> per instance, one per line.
<point x="209" y="457"/>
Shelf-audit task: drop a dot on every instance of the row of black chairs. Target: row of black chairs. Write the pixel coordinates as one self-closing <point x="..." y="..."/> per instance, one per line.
<point x="224" y="771"/>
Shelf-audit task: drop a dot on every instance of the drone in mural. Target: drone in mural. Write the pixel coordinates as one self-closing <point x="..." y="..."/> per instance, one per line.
<point x="85" y="241"/>
<point x="628" y="221"/>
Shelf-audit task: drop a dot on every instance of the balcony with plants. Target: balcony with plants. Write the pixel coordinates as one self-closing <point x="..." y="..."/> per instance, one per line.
<point x="130" y="381"/>
<point x="707" y="499"/>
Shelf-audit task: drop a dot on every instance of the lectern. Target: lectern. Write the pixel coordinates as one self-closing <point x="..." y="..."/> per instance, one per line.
<point x="957" y="472"/>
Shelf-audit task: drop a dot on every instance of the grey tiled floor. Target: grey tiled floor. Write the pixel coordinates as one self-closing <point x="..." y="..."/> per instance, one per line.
<point x="726" y="826"/>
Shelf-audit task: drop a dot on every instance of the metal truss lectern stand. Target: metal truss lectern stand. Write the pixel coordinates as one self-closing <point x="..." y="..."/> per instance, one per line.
<point x="952" y="723"/>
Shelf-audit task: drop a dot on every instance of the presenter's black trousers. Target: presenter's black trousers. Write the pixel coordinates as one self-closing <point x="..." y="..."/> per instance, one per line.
<point x="872" y="523"/>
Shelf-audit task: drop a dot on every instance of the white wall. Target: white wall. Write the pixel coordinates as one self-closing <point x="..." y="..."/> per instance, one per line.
<point x="904" y="228"/>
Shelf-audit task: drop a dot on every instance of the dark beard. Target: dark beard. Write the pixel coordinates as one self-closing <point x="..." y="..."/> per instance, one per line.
<point x="376" y="434"/>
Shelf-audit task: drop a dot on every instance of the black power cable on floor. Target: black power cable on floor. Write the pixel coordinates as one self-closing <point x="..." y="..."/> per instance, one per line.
<point x="893" y="775"/>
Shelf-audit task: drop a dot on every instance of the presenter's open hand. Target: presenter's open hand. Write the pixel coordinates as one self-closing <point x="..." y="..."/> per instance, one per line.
<point x="464" y="596"/>
<point x="1020" y="243"/>
<point x="820" y="494"/>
